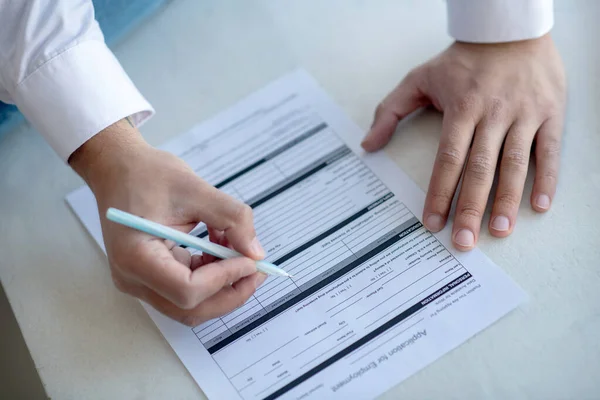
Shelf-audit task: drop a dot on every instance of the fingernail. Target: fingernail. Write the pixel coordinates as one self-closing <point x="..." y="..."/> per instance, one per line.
<point x="257" y="248"/>
<point x="260" y="279"/>
<point x="543" y="201"/>
<point x="464" y="238"/>
<point x="434" y="222"/>
<point x="500" y="223"/>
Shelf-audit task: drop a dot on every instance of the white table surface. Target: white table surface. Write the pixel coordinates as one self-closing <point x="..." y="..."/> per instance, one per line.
<point x="198" y="57"/>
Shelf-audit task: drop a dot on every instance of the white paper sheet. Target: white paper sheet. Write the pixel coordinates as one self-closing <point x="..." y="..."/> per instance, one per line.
<point x="374" y="298"/>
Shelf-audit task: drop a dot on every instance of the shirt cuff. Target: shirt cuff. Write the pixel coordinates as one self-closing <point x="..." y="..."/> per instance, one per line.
<point x="77" y="94"/>
<point x="497" y="21"/>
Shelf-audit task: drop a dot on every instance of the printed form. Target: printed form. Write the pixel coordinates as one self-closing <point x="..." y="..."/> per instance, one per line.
<point x="374" y="298"/>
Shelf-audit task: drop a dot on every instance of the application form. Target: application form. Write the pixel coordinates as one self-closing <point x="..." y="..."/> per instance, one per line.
<point x="374" y="296"/>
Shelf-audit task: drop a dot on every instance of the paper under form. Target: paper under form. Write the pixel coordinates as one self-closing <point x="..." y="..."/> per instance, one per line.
<point x="375" y="296"/>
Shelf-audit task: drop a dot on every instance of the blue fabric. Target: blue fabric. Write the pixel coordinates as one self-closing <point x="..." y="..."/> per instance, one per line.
<point x="10" y="118"/>
<point x="117" y="18"/>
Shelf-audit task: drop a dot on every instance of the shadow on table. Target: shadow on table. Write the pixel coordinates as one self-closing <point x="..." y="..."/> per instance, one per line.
<point x="18" y="376"/>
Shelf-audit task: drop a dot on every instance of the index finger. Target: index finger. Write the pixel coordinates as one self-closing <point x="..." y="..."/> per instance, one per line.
<point x="457" y="132"/>
<point x="154" y="266"/>
<point x="223" y="212"/>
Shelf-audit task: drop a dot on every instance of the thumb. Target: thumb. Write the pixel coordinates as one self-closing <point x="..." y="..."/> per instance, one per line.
<point x="407" y="97"/>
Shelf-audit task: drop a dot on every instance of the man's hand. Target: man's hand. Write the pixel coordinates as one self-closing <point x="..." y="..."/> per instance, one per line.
<point x="125" y="172"/>
<point x="496" y="99"/>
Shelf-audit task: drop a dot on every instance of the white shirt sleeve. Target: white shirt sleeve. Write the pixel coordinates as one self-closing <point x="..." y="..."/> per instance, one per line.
<point x="56" y="68"/>
<point x="496" y="21"/>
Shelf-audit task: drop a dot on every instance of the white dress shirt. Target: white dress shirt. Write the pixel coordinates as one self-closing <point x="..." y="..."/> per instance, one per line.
<point x="55" y="66"/>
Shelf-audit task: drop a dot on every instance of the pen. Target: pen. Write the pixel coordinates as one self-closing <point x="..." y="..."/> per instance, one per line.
<point x="164" y="232"/>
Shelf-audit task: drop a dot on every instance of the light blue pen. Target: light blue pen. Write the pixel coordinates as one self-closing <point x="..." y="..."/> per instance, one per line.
<point x="164" y="232"/>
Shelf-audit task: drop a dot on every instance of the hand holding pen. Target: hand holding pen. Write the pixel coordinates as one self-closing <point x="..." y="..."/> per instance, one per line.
<point x="162" y="188"/>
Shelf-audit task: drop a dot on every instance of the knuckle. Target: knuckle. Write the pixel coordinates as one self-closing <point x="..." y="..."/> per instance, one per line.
<point x="222" y="277"/>
<point x="520" y="137"/>
<point x="529" y="110"/>
<point x="508" y="199"/>
<point x="548" y="108"/>
<point x="496" y="109"/>
<point x="550" y="176"/>
<point x="450" y="158"/>
<point x="441" y="197"/>
<point x="516" y="158"/>
<point x="550" y="149"/>
<point x="381" y="108"/>
<point x="228" y="276"/>
<point x="235" y="272"/>
<point x="242" y="213"/>
<point x="480" y="167"/>
<point x="467" y="104"/>
<point x="470" y="210"/>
